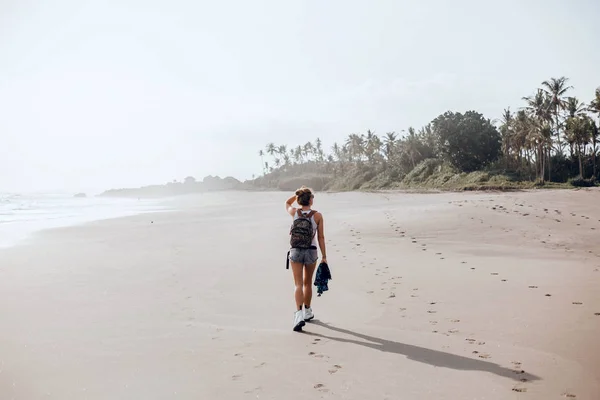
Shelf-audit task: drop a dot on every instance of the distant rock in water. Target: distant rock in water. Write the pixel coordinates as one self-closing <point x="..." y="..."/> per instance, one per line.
<point x="188" y="186"/>
<point x="80" y="195"/>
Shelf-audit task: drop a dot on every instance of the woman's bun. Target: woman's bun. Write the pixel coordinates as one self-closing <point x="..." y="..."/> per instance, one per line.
<point x="302" y="190"/>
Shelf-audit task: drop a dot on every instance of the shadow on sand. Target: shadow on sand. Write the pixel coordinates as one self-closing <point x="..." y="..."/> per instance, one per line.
<point x="424" y="355"/>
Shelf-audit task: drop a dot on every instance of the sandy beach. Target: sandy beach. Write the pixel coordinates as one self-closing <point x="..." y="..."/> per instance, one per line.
<point x="434" y="296"/>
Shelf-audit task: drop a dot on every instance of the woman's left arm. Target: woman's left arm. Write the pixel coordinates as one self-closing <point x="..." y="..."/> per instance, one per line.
<point x="288" y="205"/>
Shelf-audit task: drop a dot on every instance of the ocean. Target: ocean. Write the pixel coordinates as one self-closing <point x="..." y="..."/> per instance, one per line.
<point x="22" y="215"/>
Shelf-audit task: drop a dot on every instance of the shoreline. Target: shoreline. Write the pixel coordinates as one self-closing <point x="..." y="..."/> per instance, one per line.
<point x="26" y="223"/>
<point x="449" y="289"/>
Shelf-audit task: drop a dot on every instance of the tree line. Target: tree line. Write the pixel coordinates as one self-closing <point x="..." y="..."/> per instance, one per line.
<point x="552" y="137"/>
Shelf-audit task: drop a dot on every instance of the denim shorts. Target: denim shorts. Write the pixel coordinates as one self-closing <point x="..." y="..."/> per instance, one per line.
<point x="304" y="256"/>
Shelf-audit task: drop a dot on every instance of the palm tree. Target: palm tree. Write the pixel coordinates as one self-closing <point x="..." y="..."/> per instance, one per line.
<point x="319" y="150"/>
<point x="337" y="152"/>
<point x="556" y="88"/>
<point x="529" y="139"/>
<point x="271" y="149"/>
<point x="262" y="160"/>
<point x="538" y="109"/>
<point x="389" y="143"/>
<point x="282" y="151"/>
<point x="594" y="108"/>
<point x="355" y="145"/>
<point x="411" y="146"/>
<point x="595" y="135"/>
<point x="579" y="131"/>
<point x="298" y="155"/>
<point x="372" y="146"/>
<point x="507" y="133"/>
<point x="574" y="107"/>
<point x="307" y="150"/>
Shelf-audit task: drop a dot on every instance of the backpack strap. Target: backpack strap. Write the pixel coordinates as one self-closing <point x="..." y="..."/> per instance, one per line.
<point x="309" y="215"/>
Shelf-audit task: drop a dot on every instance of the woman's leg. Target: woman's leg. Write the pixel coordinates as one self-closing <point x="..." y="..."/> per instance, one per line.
<point x="297" y="269"/>
<point x="309" y="270"/>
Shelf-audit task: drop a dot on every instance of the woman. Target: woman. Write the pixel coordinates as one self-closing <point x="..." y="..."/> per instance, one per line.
<point x="304" y="260"/>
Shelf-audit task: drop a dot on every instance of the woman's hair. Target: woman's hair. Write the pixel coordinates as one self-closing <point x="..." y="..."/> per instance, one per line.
<point x="304" y="195"/>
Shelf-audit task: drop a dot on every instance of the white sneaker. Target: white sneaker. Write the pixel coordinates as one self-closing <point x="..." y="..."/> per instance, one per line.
<point x="299" y="321"/>
<point x="308" y="314"/>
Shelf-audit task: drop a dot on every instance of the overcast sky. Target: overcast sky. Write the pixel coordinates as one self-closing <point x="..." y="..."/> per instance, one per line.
<point x="101" y="94"/>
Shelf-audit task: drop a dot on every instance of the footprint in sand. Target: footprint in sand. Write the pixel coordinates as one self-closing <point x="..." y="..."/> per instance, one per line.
<point x="484" y="355"/>
<point x="321" y="388"/>
<point x="532" y="287"/>
<point x="503" y="280"/>
<point x="236" y="377"/>
<point x="335" y="369"/>
<point x="519" y="389"/>
<point x="597" y="314"/>
<point x="431" y="312"/>
<point x="494" y="273"/>
<point x="569" y="395"/>
<point x="473" y="341"/>
<point x="577" y="303"/>
<point x="548" y="295"/>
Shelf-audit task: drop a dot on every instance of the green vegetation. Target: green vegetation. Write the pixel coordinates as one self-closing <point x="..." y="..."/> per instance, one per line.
<point x="550" y="142"/>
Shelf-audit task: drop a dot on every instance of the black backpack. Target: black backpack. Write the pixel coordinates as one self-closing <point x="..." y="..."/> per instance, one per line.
<point x="302" y="232"/>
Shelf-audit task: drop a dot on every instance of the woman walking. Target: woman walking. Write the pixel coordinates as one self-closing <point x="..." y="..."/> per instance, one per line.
<point x="306" y="235"/>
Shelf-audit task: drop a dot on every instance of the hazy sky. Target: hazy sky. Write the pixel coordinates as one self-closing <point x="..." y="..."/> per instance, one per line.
<point x="100" y="94"/>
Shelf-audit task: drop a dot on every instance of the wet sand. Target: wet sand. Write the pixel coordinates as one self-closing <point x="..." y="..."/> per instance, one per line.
<point x="434" y="296"/>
